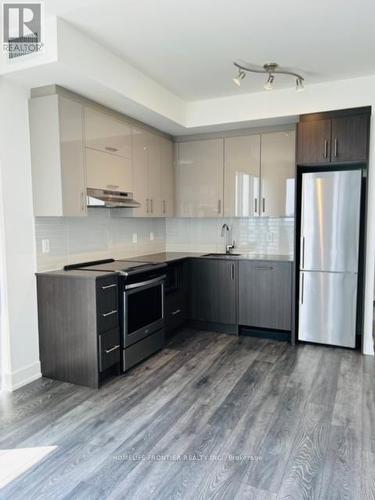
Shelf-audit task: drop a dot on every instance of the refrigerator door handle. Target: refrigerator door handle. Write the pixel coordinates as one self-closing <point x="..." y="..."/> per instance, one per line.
<point x="303" y="253"/>
<point x="302" y="288"/>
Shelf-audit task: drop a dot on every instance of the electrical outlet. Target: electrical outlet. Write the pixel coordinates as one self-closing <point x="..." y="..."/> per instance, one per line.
<point x="152" y="236"/>
<point x="45" y="246"/>
<point x="135" y="238"/>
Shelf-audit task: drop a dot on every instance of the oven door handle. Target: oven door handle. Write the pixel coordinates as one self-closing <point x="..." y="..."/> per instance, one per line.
<point x="145" y="283"/>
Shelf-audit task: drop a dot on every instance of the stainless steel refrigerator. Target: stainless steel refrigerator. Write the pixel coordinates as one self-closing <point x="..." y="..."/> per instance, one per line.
<point x="330" y="228"/>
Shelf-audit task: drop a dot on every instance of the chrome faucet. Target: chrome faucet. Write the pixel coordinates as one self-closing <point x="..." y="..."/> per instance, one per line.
<point x="225" y="229"/>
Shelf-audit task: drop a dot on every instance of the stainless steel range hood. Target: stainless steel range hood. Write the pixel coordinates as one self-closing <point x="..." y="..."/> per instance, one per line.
<point x="110" y="199"/>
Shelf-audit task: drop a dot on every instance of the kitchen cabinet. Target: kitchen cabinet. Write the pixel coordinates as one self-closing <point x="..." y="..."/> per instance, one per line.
<point x="213" y="294"/>
<point x="259" y="175"/>
<point x="147" y="173"/>
<point x="108" y="171"/>
<point x="107" y="151"/>
<point x="167" y="177"/>
<point x="265" y="294"/>
<point x="199" y="178"/>
<point x="107" y="133"/>
<point x="241" y="176"/>
<point x="79" y="334"/>
<point x="277" y="174"/>
<point x="57" y="156"/>
<point x="333" y="137"/>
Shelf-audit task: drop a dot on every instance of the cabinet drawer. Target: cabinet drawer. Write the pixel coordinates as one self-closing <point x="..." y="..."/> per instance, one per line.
<point x="109" y="349"/>
<point x="107" y="304"/>
<point x="175" y="310"/>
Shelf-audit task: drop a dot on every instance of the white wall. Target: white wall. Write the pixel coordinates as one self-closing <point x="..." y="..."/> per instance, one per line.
<point x="20" y="353"/>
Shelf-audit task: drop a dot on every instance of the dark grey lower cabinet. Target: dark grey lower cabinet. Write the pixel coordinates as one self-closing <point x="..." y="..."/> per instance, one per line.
<point x="265" y="294"/>
<point x="79" y="331"/>
<point x="213" y="290"/>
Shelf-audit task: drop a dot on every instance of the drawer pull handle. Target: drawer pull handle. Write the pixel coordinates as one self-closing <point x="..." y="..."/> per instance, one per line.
<point x="264" y="268"/>
<point x="109" y="313"/>
<point x="111" y="149"/>
<point x="109" y="286"/>
<point x="107" y="351"/>
<point x="177" y="311"/>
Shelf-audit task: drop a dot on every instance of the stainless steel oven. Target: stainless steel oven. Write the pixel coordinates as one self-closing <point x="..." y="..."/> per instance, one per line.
<point x="143" y="307"/>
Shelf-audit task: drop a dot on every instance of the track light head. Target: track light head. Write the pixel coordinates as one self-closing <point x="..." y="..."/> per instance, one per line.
<point x="269" y="83"/>
<point x="241" y="75"/>
<point x="299" y="85"/>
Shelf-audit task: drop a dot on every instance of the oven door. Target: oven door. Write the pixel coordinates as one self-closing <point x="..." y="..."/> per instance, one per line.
<point x="143" y="312"/>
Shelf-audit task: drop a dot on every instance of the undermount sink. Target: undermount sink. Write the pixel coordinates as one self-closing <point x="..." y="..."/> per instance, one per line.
<point x="221" y="255"/>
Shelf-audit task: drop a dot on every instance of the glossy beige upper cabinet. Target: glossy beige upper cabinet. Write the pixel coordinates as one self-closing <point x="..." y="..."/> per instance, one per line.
<point x="277" y="174"/>
<point x="57" y="156"/>
<point x="199" y="178"/>
<point x="147" y="173"/>
<point x="107" y="133"/>
<point x="108" y="152"/>
<point x="108" y="171"/>
<point x="167" y="177"/>
<point x="241" y="176"/>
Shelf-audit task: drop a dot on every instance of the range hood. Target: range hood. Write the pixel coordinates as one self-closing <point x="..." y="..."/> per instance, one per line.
<point x="110" y="199"/>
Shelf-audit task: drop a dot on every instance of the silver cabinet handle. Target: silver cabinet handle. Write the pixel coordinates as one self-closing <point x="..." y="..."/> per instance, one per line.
<point x="152" y="205"/>
<point x="114" y="348"/>
<point x="325" y="154"/>
<point x="164" y="207"/>
<point x="109" y="286"/>
<point x="82" y="195"/>
<point x="147" y="209"/>
<point x="232" y="272"/>
<point x="264" y="268"/>
<point x="219" y="206"/>
<point x="111" y="149"/>
<point x="177" y="311"/>
<point x="256" y="205"/>
<point x="110" y="313"/>
<point x="336" y="148"/>
<point x="302" y="287"/>
<point x="263" y="205"/>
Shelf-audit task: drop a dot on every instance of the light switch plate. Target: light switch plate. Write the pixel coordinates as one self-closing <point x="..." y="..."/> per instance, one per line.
<point x="135" y="238"/>
<point x="45" y="246"/>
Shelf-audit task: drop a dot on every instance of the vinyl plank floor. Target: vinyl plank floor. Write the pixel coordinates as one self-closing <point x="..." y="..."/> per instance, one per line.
<point x="211" y="416"/>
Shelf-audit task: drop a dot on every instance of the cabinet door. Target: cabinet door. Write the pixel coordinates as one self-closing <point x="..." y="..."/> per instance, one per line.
<point x="167" y="177"/>
<point x="278" y="174"/>
<point x="106" y="133"/>
<point x="140" y="171"/>
<point x="153" y="174"/>
<point x="313" y="145"/>
<point x="350" y="138"/>
<point x="199" y="179"/>
<point x="107" y="171"/>
<point x="241" y="176"/>
<point x="72" y="158"/>
<point x="213" y="291"/>
<point x="265" y="294"/>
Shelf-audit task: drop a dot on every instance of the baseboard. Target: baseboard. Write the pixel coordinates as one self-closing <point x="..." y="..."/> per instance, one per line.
<point x="213" y="327"/>
<point x="19" y="378"/>
<point x="265" y="333"/>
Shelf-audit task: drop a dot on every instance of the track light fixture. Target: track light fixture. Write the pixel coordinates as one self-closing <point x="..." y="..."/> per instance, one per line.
<point x="270" y="69"/>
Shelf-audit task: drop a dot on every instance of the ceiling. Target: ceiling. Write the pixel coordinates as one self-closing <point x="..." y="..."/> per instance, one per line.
<point x="188" y="47"/>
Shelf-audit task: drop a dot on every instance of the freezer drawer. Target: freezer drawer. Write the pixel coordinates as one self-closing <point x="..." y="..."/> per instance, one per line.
<point x="330" y="221"/>
<point x="327" y="309"/>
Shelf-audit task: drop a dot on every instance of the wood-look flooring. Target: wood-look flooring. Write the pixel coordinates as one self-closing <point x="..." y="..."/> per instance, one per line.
<point x="211" y="416"/>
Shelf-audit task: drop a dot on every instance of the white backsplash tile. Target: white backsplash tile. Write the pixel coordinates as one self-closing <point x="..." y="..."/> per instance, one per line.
<point x="100" y="236"/>
<point x="271" y="236"/>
